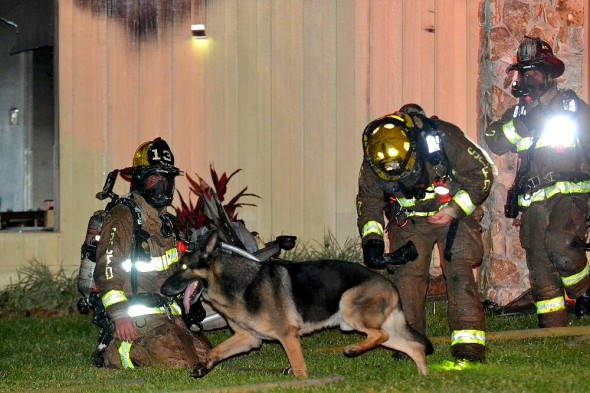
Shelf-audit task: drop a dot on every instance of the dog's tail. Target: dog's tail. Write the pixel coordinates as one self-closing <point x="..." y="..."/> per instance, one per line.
<point x="412" y="334"/>
<point x="422" y="339"/>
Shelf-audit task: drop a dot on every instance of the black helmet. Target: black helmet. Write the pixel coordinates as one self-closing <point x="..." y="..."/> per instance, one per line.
<point x="535" y="54"/>
<point x="388" y="146"/>
<point x="153" y="158"/>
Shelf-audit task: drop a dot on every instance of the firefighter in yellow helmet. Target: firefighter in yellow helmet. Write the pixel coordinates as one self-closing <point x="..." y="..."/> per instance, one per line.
<point x="136" y="254"/>
<point x="427" y="179"/>
<point x="549" y="128"/>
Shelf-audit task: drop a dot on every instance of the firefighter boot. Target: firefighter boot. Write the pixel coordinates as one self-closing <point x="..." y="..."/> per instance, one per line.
<point x="469" y="352"/>
<point x="582" y="308"/>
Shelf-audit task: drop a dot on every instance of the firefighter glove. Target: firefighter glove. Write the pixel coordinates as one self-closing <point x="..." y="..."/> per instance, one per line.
<point x="534" y="120"/>
<point x="373" y="251"/>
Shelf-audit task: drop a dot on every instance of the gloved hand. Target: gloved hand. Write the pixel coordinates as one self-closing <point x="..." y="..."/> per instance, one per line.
<point x="373" y="251"/>
<point x="534" y="120"/>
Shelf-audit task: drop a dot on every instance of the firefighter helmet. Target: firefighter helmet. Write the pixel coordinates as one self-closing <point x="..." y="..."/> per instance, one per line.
<point x="388" y="146"/>
<point x="153" y="158"/>
<point x="535" y="69"/>
<point x="535" y="53"/>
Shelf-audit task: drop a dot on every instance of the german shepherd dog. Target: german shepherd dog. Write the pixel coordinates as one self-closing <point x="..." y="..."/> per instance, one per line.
<point x="279" y="300"/>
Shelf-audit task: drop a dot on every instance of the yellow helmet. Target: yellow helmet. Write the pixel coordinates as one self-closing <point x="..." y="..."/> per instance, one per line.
<point x="388" y="146"/>
<point x="156" y="154"/>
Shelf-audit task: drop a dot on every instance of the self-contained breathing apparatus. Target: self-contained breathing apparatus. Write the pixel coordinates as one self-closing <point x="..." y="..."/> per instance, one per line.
<point x="556" y="130"/>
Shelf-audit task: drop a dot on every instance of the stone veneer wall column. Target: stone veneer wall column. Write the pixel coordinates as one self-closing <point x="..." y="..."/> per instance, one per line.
<point x="504" y="275"/>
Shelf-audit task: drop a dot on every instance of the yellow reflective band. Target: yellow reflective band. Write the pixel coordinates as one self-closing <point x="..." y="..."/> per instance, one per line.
<point x="421" y="214"/>
<point x="468" y="337"/>
<point x="463" y="199"/>
<point x="524" y="144"/>
<point x="510" y="133"/>
<point x="561" y="187"/>
<point x="550" y="305"/>
<point x="156" y="264"/>
<point x="408" y="203"/>
<point x="138" y="310"/>
<point x="124" y="350"/>
<point x="546" y="140"/>
<point x="112" y="297"/>
<point x="576" y="278"/>
<point x="372" y="227"/>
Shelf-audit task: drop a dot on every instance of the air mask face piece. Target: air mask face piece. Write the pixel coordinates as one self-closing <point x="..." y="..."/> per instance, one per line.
<point x="529" y="81"/>
<point x="158" y="188"/>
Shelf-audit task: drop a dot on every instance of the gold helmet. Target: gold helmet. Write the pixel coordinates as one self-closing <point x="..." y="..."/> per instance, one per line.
<point x="154" y="153"/>
<point x="388" y="146"/>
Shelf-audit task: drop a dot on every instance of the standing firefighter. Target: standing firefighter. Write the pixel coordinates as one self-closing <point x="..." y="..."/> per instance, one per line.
<point x="136" y="254"/>
<point x="430" y="179"/>
<point x="549" y="128"/>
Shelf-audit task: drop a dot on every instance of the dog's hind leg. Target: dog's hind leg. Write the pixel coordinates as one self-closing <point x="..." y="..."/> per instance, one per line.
<point x="375" y="337"/>
<point x="413" y="349"/>
<point x="240" y="342"/>
<point x="291" y="343"/>
<point x="365" y="309"/>
<point x="403" y="338"/>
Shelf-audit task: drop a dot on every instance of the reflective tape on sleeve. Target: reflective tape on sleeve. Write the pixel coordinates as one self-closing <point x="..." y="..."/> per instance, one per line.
<point x="372" y="227"/>
<point x="550" y="305"/>
<point x="576" y="278"/>
<point x="468" y="337"/>
<point x="463" y="199"/>
<point x="510" y="132"/>
<point x="113" y="297"/>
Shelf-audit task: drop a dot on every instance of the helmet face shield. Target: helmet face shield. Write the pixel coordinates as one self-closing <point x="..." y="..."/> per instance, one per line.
<point x="389" y="150"/>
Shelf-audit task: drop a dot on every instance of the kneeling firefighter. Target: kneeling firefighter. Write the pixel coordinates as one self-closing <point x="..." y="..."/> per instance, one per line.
<point x="549" y="128"/>
<point x="429" y="180"/>
<point x="136" y="253"/>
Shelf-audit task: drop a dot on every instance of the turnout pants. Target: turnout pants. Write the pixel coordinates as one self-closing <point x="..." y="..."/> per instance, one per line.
<point x="162" y="342"/>
<point x="547" y="229"/>
<point x="465" y="308"/>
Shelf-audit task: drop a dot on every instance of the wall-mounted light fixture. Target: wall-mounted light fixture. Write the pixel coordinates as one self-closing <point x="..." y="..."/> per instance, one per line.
<point x="199" y="31"/>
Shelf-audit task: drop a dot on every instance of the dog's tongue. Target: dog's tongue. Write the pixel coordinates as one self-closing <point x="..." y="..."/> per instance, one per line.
<point x="188" y="295"/>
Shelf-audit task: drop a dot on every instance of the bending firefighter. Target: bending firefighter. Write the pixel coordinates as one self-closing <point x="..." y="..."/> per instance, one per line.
<point x="429" y="179"/>
<point x="549" y="128"/>
<point x="136" y="254"/>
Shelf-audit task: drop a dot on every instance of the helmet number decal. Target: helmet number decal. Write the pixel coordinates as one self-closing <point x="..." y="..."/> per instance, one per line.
<point x="166" y="155"/>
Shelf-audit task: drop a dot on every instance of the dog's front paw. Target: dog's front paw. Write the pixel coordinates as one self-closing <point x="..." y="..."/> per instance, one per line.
<point x="199" y="371"/>
<point x="351" y="351"/>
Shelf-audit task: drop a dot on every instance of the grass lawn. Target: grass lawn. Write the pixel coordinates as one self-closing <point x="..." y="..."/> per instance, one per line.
<point x="52" y="355"/>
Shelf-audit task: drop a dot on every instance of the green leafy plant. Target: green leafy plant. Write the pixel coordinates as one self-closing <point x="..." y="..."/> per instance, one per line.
<point x="190" y="213"/>
<point x="329" y="249"/>
<point x="38" y="290"/>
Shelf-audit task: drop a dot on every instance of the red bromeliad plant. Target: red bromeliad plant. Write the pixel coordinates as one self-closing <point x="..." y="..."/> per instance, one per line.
<point x="190" y="213"/>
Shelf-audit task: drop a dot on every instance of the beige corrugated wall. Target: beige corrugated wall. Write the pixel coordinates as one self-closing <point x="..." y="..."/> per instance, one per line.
<point x="282" y="89"/>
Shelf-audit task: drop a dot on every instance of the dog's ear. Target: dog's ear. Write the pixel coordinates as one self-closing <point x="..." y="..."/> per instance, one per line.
<point x="212" y="243"/>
